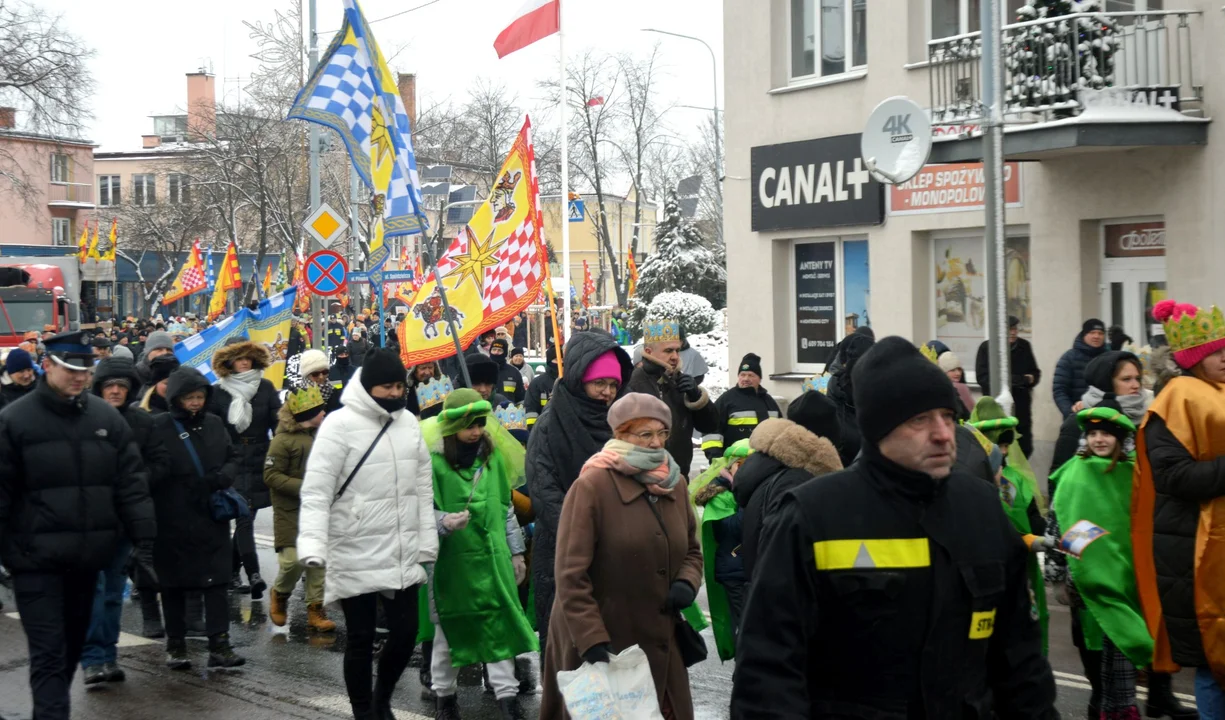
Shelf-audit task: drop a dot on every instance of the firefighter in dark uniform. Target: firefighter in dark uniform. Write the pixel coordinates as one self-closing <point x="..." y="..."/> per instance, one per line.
<point x="740" y="409"/>
<point x="894" y="589"/>
<point x="541" y="388"/>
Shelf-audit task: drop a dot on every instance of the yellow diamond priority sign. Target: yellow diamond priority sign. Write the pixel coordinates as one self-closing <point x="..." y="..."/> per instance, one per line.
<point x="325" y="225"/>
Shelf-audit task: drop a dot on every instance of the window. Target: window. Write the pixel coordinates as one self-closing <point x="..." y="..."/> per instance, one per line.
<point x="59" y="168"/>
<point x="829" y="281"/>
<point x="958" y="17"/>
<point x="170" y="126"/>
<point x="144" y="189"/>
<point x="821" y="32"/>
<point x="178" y="190"/>
<point x="108" y="190"/>
<point x="960" y="301"/>
<point x="61" y="232"/>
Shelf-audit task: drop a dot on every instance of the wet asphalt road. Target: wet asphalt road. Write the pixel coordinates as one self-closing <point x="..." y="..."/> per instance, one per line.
<point x="291" y="673"/>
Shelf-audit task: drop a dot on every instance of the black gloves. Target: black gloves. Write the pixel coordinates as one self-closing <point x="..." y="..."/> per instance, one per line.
<point x="143" y="554"/>
<point x="680" y="596"/>
<point x="687" y="385"/>
<point x="598" y="653"/>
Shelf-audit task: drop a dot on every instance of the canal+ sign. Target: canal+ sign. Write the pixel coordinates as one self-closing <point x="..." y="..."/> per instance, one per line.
<point x="814" y="184"/>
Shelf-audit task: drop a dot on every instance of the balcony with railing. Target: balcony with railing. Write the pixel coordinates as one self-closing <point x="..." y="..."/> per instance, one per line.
<point x="1102" y="79"/>
<point x="70" y="195"/>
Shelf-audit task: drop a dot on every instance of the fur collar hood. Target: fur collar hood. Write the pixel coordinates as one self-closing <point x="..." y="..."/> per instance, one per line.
<point x="258" y="355"/>
<point x="795" y="447"/>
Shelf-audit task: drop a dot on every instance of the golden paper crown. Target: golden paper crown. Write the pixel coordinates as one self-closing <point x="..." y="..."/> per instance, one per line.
<point x="661" y="331"/>
<point x="305" y="399"/>
<point x="511" y="417"/>
<point x="929" y="352"/>
<point x="1187" y="326"/>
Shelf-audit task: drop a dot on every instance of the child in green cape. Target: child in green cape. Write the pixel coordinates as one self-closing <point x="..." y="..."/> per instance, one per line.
<point x="720" y="538"/>
<point x="1091" y="521"/>
<point x="1019" y="494"/>
<point x="474" y="585"/>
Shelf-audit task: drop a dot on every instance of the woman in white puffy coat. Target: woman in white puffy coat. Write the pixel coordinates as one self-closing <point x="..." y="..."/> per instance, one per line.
<point x="375" y="534"/>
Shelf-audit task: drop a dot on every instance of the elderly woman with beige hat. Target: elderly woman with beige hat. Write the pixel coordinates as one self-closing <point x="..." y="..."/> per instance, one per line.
<point x="629" y="502"/>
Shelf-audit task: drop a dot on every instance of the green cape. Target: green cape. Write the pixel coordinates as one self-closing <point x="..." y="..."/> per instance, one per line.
<point x="512" y="451"/>
<point x="474" y="582"/>
<point x="1105" y="574"/>
<point x="720" y="506"/>
<point x="1016" y="493"/>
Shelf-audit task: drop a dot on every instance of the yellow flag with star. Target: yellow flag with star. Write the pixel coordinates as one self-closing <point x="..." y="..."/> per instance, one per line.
<point x="491" y="272"/>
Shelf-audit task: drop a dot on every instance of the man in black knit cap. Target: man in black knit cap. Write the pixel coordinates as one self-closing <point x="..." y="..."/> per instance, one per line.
<point x="895" y="588"/>
<point x="740" y="409"/>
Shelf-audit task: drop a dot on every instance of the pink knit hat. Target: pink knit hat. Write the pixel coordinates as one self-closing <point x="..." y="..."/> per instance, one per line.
<point x="604" y="367"/>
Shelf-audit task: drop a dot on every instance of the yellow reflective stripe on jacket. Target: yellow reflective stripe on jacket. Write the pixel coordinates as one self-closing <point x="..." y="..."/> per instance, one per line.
<point x="744" y="417"/>
<point x="711" y="441"/>
<point x="870" y="554"/>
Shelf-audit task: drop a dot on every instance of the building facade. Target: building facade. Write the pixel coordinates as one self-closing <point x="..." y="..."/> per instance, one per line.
<point x="48" y="186"/>
<point x="1096" y="182"/>
<point x="584" y="244"/>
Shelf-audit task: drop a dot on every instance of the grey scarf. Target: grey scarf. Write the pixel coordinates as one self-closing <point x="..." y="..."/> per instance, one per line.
<point x="1134" y="406"/>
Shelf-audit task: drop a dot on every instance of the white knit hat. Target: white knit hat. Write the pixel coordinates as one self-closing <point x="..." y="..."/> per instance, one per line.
<point x="948" y="360"/>
<point x="312" y="361"/>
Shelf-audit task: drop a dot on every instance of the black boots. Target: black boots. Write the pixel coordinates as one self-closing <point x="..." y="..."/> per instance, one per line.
<point x="1161" y="701"/>
<point x="425" y="675"/>
<point x="221" y="654"/>
<point x="446" y="708"/>
<point x="151" y="614"/>
<point x="176" y="654"/>
<point x="508" y="709"/>
<point x="382" y="702"/>
<point x="236" y="583"/>
<point x="258" y="586"/>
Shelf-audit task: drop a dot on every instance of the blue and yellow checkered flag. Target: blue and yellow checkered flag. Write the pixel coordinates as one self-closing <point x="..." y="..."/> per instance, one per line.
<point x="353" y="92"/>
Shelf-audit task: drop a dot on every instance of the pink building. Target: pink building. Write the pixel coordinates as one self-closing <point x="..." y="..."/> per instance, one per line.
<point x="58" y="174"/>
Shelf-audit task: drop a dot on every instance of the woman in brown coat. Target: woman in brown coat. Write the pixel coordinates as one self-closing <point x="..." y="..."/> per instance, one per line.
<point x="628" y="559"/>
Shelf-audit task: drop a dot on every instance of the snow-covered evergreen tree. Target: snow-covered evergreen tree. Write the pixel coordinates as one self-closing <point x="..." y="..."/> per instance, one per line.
<point x="1048" y="63"/>
<point x="681" y="262"/>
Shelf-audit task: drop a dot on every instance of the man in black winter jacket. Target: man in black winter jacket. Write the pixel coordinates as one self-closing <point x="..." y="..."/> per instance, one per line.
<point x="662" y="374"/>
<point x="540" y="389"/>
<point x="1023" y="367"/>
<point x="1069" y="383"/>
<point x="741" y="409"/>
<point x="510" y="380"/>
<point x="896" y="588"/>
<point x="71" y="483"/>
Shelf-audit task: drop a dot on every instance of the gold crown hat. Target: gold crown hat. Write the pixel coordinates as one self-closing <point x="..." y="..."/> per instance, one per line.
<point x="658" y="331"/>
<point x="511" y="417"/>
<point x="1194" y="333"/>
<point x="929" y="352"/>
<point x="305" y="400"/>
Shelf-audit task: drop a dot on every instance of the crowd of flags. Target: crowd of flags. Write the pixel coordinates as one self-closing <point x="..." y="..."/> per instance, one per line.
<point x="88" y="249"/>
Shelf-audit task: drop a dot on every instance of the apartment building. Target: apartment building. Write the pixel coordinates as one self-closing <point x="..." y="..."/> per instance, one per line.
<point x="1112" y="194"/>
<point x="49" y="189"/>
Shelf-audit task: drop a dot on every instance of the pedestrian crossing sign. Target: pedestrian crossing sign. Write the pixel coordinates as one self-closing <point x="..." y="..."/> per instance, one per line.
<point x="578" y="211"/>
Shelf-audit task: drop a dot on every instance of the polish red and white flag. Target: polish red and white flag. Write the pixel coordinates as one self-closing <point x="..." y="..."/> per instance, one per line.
<point x="536" y="20"/>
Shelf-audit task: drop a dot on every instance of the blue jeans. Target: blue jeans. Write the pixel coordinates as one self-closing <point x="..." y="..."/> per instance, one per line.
<point x="103" y="632"/>
<point x="1209" y="696"/>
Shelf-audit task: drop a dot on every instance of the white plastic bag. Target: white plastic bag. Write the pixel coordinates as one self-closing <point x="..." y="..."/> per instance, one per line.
<point x="621" y="689"/>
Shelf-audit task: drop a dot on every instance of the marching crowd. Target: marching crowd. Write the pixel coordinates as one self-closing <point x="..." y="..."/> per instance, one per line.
<point x="881" y="549"/>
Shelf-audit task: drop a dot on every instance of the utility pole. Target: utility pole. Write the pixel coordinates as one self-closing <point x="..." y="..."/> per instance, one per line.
<point x="317" y="307"/>
<point x="993" y="174"/>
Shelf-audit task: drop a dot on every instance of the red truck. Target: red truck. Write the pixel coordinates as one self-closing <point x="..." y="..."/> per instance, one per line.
<point x="33" y="298"/>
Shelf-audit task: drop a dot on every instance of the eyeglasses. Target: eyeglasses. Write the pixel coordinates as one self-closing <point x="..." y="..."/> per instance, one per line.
<point x="647" y="437"/>
<point x="318" y="373"/>
<point x="605" y="385"/>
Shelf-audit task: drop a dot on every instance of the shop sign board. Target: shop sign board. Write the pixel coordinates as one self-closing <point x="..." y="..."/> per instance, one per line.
<point x="953" y="187"/>
<point x="816" y="302"/>
<point x="1135" y="239"/>
<point x="814" y="184"/>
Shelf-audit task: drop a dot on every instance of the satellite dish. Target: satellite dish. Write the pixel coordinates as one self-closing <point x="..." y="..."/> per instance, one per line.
<point x="897" y="140"/>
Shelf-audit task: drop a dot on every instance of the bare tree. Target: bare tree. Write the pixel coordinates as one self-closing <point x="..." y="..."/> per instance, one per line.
<point x="44" y="74"/>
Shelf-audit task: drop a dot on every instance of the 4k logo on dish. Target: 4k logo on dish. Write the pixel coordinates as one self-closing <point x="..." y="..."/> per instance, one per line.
<point x="898" y="127"/>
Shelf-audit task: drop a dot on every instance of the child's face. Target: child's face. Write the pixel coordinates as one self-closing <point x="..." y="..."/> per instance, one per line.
<point x="734" y="468"/>
<point x="1101" y="443"/>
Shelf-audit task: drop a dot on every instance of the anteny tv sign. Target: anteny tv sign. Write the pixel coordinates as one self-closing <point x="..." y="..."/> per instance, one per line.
<point x="814" y="184"/>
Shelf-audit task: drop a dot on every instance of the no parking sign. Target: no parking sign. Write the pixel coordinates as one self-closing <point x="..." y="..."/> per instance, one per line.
<point x="325" y="273"/>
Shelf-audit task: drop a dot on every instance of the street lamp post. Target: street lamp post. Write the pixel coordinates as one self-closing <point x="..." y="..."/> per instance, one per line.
<point x="714" y="68"/>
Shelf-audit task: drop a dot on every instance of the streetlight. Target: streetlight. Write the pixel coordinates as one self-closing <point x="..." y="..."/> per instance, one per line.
<point x="714" y="66"/>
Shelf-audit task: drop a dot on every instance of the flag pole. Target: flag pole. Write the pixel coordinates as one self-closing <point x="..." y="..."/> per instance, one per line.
<point x="448" y="316"/>
<point x="565" y="180"/>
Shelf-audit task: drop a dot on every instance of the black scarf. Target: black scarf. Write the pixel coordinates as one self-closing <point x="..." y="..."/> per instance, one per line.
<point x="583" y="425"/>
